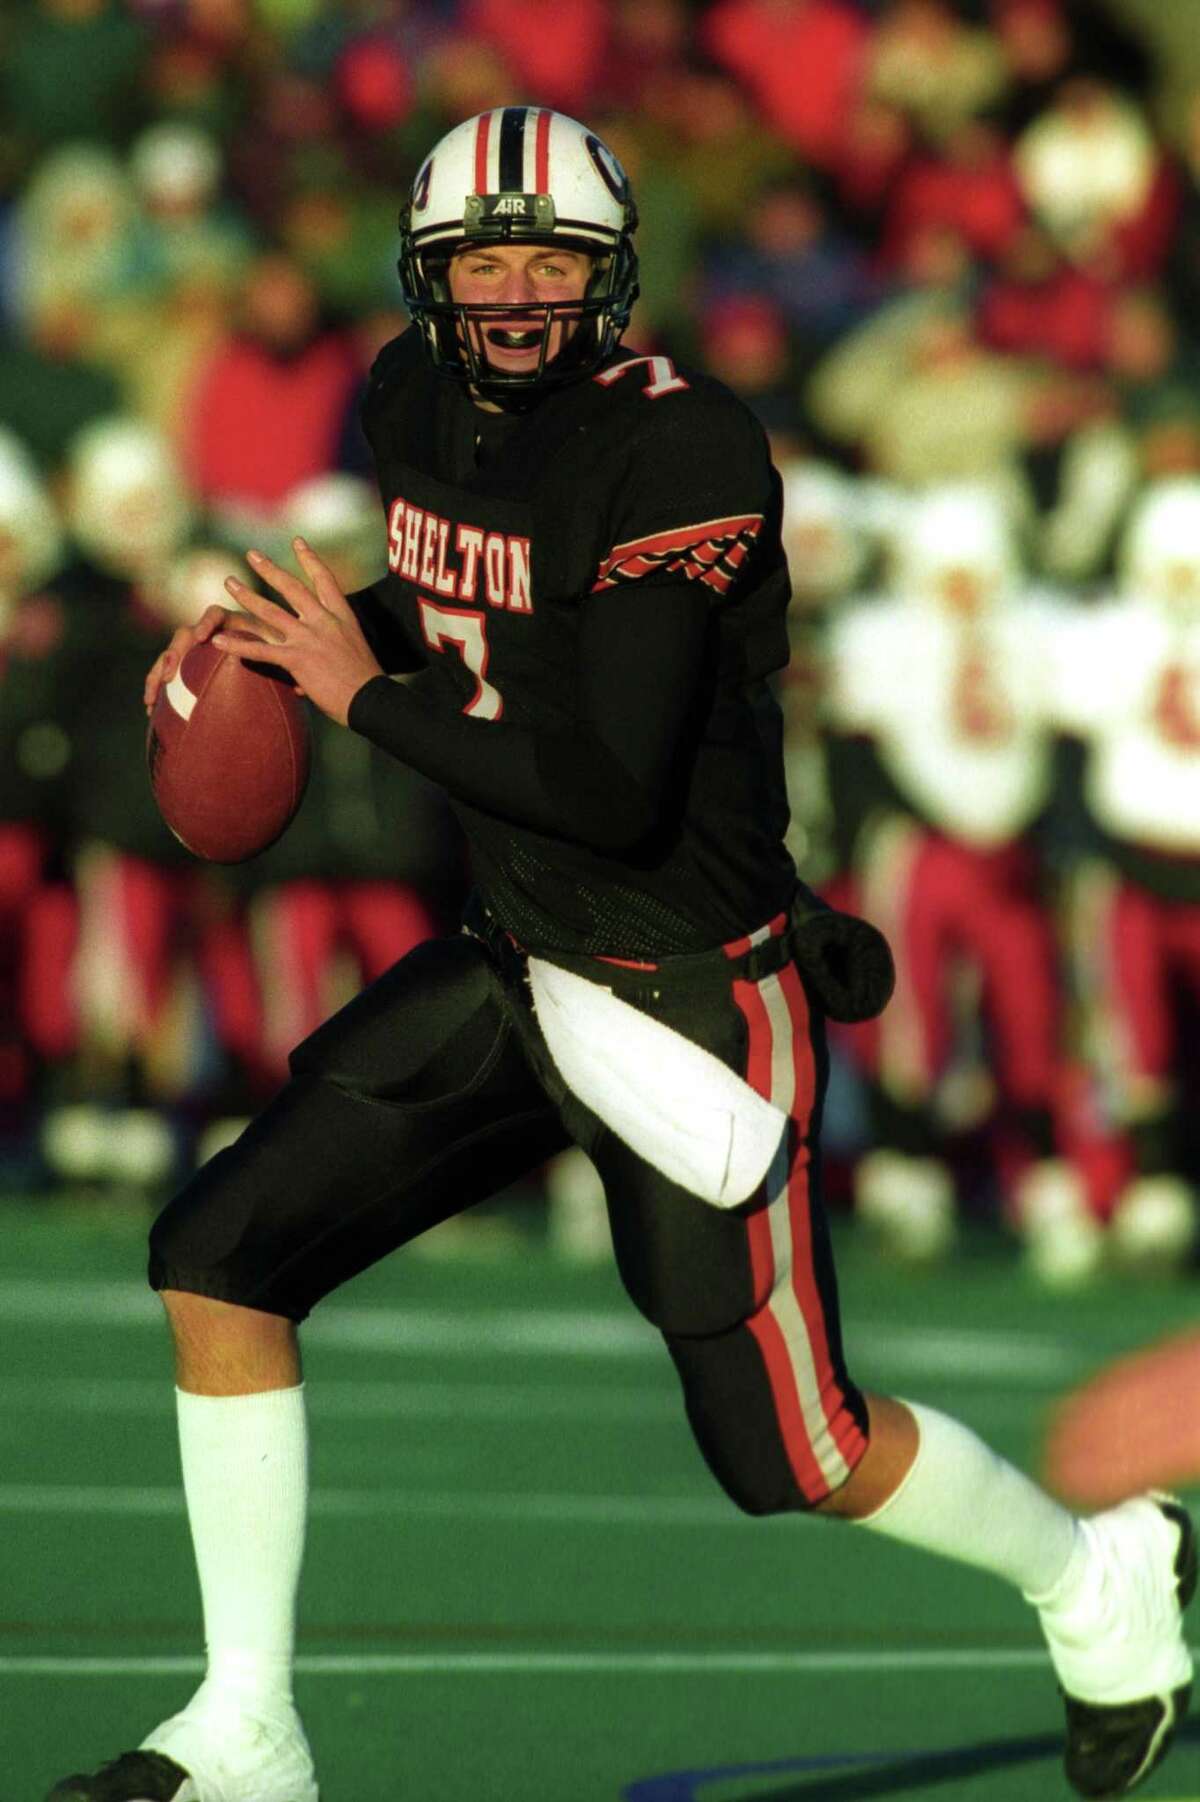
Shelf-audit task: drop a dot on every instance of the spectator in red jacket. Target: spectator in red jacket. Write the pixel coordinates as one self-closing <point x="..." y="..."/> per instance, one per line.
<point x="555" y="48"/>
<point x="267" y="410"/>
<point x="968" y="187"/>
<point x="800" y="60"/>
<point x="1037" y="304"/>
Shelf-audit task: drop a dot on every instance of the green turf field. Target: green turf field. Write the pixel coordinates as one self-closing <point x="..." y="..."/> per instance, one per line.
<point x="522" y="1585"/>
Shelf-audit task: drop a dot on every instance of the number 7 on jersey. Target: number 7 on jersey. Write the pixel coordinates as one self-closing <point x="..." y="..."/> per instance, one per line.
<point x="467" y="632"/>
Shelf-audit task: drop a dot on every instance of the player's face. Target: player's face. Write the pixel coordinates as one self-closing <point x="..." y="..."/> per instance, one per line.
<point x="526" y="276"/>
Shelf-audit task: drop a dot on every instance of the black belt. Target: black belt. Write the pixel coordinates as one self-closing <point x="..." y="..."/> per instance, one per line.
<point x="845" y="962"/>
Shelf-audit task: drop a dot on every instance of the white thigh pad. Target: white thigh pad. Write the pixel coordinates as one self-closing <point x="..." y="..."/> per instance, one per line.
<point x="675" y="1104"/>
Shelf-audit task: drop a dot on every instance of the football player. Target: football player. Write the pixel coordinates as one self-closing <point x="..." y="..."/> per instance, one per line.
<point x="943" y="677"/>
<point x="1128" y="688"/>
<point x="148" y="932"/>
<point x="586" y="584"/>
<point x="40" y="667"/>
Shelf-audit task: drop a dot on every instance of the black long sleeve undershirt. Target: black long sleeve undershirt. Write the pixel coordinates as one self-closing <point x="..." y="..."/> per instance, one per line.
<point x="389" y="643"/>
<point x="603" y="782"/>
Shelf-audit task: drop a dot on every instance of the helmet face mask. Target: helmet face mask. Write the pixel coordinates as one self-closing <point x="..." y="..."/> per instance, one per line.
<point x="464" y="198"/>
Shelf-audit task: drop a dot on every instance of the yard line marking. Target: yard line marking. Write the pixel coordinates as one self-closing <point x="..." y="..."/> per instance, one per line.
<point x="151" y="1398"/>
<point x="350" y="1504"/>
<point x="363" y="1400"/>
<point x="364" y="1504"/>
<point x="1013" y="1357"/>
<point x="1030" y="1360"/>
<point x="691" y="1664"/>
<point x="540" y="1332"/>
<point x="353" y="1664"/>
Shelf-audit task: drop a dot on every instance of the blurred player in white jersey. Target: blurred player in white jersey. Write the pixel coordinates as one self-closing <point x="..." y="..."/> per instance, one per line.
<point x="1129" y="688"/>
<point x="942" y="675"/>
<point x="37" y="924"/>
<point x="152" y="962"/>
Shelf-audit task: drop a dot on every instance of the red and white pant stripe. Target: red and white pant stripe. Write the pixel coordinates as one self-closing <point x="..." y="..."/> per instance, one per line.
<point x="821" y="1435"/>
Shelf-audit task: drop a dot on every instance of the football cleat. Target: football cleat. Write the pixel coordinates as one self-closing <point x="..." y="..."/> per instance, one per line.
<point x="1064" y="1242"/>
<point x="133" y="1777"/>
<point x="1155" y="1226"/>
<point x="1118" y="1647"/>
<point x="205" y="1755"/>
<point x="907" y="1205"/>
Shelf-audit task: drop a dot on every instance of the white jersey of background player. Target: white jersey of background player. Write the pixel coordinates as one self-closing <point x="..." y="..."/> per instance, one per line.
<point x="944" y="672"/>
<point x="1128" y="679"/>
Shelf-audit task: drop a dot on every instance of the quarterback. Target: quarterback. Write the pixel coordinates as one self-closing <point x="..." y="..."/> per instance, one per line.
<point x="585" y="598"/>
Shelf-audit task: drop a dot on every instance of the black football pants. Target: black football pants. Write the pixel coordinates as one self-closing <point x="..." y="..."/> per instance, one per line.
<point x="433" y="1090"/>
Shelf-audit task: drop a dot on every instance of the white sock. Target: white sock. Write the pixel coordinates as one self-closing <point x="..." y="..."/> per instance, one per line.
<point x="964" y="1501"/>
<point x="245" y="1476"/>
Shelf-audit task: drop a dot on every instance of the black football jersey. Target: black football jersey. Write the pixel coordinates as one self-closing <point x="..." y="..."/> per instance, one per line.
<point x="498" y="527"/>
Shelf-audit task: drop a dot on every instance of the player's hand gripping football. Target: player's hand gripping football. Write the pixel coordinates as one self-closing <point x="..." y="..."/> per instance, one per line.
<point x="168" y="661"/>
<point x="319" y="643"/>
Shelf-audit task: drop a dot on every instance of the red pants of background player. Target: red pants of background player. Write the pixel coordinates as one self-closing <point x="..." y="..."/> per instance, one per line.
<point x="266" y="986"/>
<point x="298" y="931"/>
<point x="1144" y="950"/>
<point x="942" y="904"/>
<point x="146" y="933"/>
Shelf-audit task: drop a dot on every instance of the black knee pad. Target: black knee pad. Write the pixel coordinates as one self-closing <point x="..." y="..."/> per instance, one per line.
<point x="684" y="1264"/>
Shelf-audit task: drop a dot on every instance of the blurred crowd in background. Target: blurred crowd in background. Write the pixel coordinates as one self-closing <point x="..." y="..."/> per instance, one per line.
<point x="949" y="253"/>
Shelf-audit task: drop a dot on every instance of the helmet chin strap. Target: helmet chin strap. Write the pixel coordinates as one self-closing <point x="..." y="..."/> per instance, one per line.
<point x="495" y="388"/>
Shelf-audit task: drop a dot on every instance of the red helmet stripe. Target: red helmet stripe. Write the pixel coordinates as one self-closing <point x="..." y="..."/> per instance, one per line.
<point x="481" y="152"/>
<point x="542" y="166"/>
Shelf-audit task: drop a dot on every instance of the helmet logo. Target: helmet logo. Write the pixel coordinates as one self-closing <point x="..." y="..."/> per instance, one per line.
<point x="420" y="197"/>
<point x="535" y="211"/>
<point x="608" y="168"/>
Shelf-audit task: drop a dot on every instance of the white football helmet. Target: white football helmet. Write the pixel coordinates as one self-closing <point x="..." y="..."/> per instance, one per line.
<point x="826" y="546"/>
<point x="129" y="506"/>
<point x="519" y="174"/>
<point x="958" y="549"/>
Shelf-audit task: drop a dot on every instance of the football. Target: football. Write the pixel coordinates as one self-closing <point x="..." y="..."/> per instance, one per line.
<point x="228" y="751"/>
